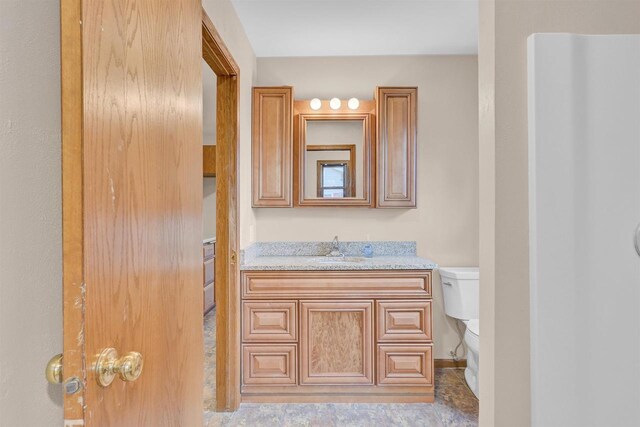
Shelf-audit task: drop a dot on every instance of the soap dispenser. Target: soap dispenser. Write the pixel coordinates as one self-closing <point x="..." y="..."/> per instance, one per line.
<point x="367" y="250"/>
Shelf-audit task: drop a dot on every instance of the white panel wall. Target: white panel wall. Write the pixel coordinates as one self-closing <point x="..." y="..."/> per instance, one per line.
<point x="584" y="169"/>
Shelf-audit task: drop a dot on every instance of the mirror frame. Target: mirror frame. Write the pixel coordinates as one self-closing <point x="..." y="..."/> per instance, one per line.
<point x="302" y="115"/>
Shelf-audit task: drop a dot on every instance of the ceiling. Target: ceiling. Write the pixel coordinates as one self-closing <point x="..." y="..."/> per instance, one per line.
<point x="360" y="27"/>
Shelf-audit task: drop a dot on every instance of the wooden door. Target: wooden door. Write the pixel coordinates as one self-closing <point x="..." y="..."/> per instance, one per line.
<point x="132" y="207"/>
<point x="396" y="150"/>
<point x="272" y="147"/>
<point x="336" y="342"/>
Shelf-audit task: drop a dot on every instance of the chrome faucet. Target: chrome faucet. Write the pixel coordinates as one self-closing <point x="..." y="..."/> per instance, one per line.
<point x="335" y="248"/>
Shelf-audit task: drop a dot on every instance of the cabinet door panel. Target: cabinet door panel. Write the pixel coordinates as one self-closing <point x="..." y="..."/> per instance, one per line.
<point x="336" y="342"/>
<point x="396" y="150"/>
<point x="405" y="365"/>
<point x="269" y="321"/>
<point x="404" y="320"/>
<point x="272" y="146"/>
<point x="267" y="364"/>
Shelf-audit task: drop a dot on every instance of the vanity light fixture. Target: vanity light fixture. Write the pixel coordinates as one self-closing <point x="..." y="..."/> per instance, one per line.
<point x="335" y="103"/>
<point x="353" y="103"/>
<point x="315" y="104"/>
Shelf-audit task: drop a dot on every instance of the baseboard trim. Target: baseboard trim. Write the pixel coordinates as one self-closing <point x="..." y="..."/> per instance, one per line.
<point x="450" y="363"/>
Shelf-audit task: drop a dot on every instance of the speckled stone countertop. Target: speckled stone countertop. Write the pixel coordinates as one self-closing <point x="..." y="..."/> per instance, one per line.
<point x="311" y="256"/>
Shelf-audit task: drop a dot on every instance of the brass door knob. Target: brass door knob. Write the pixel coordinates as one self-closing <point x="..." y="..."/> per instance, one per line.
<point x="108" y="365"/>
<point x="53" y="371"/>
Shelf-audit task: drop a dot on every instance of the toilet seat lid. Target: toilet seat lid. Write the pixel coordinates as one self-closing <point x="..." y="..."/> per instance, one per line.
<point x="473" y="326"/>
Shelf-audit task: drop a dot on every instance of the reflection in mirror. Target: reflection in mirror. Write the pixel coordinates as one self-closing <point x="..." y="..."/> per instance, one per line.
<point x="334" y="179"/>
<point x="334" y="159"/>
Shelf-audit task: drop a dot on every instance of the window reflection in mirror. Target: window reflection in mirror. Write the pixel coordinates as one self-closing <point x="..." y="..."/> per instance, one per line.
<point x="334" y="157"/>
<point x="334" y="180"/>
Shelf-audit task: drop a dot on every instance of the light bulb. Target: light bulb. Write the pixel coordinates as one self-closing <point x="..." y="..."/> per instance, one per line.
<point x="315" y="104"/>
<point x="353" y="103"/>
<point x="335" y="103"/>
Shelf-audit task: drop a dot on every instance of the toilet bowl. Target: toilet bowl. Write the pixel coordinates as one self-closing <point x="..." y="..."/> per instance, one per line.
<point x="461" y="290"/>
<point x="472" y="341"/>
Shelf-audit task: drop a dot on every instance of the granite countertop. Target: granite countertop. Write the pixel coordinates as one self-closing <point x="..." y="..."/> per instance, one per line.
<point x="297" y="256"/>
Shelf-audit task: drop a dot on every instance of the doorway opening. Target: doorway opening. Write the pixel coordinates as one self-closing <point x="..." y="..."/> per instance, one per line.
<point x="220" y="189"/>
<point x="209" y="232"/>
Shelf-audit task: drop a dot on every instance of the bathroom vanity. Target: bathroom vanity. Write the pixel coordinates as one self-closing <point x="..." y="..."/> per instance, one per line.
<point x="351" y="329"/>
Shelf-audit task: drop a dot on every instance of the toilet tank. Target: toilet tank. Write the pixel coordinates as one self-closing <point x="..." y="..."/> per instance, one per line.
<point x="461" y="290"/>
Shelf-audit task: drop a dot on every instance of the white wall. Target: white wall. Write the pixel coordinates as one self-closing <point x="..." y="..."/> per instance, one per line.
<point x="30" y="212"/>
<point x="504" y="233"/>
<point x="445" y="225"/>
<point x="209" y="92"/>
<point x="208" y="207"/>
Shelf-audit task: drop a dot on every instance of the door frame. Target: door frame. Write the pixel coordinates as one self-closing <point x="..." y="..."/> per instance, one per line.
<point x="218" y="57"/>
<point x="216" y="54"/>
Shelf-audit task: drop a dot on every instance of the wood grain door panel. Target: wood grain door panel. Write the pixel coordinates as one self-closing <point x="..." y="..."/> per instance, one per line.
<point x="269" y="365"/>
<point x="336" y="342"/>
<point x="396" y="150"/>
<point x="406" y="320"/>
<point x="272" y="147"/>
<point x="269" y="321"/>
<point x="405" y="365"/>
<point x="322" y="284"/>
<point x="141" y="89"/>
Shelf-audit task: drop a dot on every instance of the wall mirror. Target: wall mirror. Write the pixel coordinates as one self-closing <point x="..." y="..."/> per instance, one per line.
<point x="334" y="158"/>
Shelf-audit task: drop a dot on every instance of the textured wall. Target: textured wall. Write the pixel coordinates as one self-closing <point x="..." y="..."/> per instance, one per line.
<point x="445" y="225"/>
<point x="30" y="212"/>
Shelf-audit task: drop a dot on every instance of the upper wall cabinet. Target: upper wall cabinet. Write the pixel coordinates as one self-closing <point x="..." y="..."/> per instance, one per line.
<point x="396" y="147"/>
<point x="309" y="153"/>
<point x="272" y="154"/>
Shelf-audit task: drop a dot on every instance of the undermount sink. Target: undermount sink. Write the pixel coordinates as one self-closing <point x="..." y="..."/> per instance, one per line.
<point x="339" y="260"/>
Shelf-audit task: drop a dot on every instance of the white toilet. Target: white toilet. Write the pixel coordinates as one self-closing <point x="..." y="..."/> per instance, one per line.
<point x="461" y="289"/>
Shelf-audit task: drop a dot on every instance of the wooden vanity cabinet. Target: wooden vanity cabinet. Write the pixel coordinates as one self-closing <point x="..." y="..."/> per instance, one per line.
<point x="272" y="147"/>
<point x="396" y="146"/>
<point x="209" y="253"/>
<point x="337" y="336"/>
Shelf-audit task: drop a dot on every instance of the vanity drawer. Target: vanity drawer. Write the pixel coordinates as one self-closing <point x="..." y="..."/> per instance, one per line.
<point x="268" y="364"/>
<point x="209" y="297"/>
<point x="209" y="250"/>
<point x="405" y="365"/>
<point x="406" y="320"/>
<point x="209" y="271"/>
<point x="269" y="321"/>
<point x="350" y="284"/>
